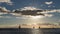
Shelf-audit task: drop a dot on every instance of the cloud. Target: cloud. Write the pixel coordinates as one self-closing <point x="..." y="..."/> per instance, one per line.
<point x="15" y="14"/>
<point x="10" y="15"/>
<point x="29" y="8"/>
<point x="53" y="11"/>
<point x="3" y="9"/>
<point x="5" y="17"/>
<point x="58" y="10"/>
<point x="49" y="15"/>
<point x="48" y="3"/>
<point x="6" y="1"/>
<point x="50" y="11"/>
<point x="1" y="13"/>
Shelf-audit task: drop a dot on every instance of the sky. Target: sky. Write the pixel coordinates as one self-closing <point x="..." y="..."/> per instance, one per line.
<point x="42" y="4"/>
<point x="51" y="17"/>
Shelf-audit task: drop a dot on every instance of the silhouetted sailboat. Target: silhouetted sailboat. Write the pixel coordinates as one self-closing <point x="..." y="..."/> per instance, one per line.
<point x="19" y="26"/>
<point x="39" y="27"/>
<point x="33" y="27"/>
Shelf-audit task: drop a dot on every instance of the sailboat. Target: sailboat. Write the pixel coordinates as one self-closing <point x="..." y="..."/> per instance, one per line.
<point x="39" y="27"/>
<point x="19" y="26"/>
<point x="33" y="27"/>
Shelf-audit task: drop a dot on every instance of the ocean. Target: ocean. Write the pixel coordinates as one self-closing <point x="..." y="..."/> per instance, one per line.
<point x="29" y="31"/>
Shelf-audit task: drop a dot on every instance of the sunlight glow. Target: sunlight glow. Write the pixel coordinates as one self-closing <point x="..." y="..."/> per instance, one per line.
<point x="36" y="17"/>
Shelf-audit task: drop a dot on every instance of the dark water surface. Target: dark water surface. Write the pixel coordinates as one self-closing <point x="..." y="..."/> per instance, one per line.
<point x="29" y="31"/>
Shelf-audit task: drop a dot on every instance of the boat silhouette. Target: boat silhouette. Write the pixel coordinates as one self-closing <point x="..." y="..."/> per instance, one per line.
<point x="19" y="26"/>
<point x="33" y="27"/>
<point x="39" y="27"/>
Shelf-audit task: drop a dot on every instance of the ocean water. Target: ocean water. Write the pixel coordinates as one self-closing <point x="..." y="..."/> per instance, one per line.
<point x="29" y="31"/>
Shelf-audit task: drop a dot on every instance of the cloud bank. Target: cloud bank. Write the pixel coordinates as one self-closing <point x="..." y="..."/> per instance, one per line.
<point x="6" y="1"/>
<point x="47" y="13"/>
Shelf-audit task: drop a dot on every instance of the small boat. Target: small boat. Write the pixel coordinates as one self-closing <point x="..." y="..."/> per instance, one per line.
<point x="19" y="26"/>
<point x="33" y="27"/>
<point x="39" y="27"/>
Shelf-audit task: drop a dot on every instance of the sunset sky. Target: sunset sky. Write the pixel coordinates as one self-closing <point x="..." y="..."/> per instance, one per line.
<point x="8" y="19"/>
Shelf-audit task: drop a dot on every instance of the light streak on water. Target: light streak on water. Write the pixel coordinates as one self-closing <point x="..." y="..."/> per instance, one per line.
<point x="36" y="31"/>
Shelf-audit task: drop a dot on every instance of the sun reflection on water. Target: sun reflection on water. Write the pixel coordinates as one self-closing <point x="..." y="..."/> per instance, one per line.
<point x="36" y="31"/>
